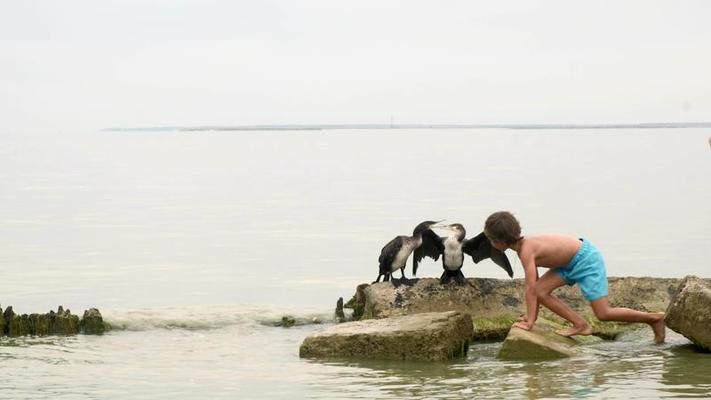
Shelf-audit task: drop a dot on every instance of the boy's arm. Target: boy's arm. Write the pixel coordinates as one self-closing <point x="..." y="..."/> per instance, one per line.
<point x="531" y="276"/>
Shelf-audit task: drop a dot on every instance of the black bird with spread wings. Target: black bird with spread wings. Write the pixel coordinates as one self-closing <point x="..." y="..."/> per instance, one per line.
<point x="423" y="242"/>
<point x="455" y="246"/>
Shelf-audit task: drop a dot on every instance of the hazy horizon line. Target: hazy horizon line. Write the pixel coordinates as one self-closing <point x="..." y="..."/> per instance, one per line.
<point x="287" y="127"/>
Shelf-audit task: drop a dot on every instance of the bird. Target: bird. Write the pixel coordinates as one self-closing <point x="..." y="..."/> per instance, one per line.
<point x="455" y="245"/>
<point x="423" y="242"/>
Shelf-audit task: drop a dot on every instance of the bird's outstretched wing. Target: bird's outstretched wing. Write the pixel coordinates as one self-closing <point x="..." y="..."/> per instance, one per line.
<point x="431" y="247"/>
<point x="479" y="248"/>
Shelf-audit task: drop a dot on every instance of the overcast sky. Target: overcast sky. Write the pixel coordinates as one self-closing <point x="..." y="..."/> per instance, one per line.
<point x="84" y="65"/>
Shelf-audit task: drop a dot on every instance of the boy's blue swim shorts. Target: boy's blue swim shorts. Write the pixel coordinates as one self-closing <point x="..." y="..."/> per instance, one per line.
<point x="587" y="269"/>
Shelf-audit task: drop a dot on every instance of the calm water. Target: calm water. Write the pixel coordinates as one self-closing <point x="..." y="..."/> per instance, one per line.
<point x="193" y="243"/>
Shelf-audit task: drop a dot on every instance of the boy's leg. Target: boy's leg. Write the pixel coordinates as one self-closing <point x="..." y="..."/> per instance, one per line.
<point x="603" y="312"/>
<point x="550" y="281"/>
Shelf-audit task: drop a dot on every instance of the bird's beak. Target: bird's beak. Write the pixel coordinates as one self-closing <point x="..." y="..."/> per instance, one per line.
<point x="438" y="224"/>
<point x="444" y="226"/>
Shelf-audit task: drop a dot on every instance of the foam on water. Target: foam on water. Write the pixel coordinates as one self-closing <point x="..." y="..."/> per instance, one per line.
<point x="210" y="317"/>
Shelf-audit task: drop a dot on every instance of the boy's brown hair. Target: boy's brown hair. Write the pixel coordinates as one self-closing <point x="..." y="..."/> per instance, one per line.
<point x="503" y="227"/>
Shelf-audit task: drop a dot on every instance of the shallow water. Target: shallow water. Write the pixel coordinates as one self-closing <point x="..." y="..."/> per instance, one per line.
<point x="194" y="244"/>
<point x="262" y="362"/>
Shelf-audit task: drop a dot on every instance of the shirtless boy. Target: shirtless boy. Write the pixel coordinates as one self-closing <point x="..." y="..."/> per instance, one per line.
<point x="570" y="261"/>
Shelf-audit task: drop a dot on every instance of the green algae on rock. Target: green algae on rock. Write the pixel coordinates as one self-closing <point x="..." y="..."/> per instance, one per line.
<point x="92" y="323"/>
<point x="62" y="322"/>
<point x="495" y="328"/>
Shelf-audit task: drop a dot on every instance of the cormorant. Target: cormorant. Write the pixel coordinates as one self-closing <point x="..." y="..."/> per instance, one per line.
<point x="454" y="246"/>
<point x="393" y="256"/>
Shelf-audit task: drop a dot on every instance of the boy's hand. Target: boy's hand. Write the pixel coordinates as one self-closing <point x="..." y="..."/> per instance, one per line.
<point x="523" y="325"/>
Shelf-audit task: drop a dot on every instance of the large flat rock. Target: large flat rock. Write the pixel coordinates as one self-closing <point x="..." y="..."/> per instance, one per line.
<point x="495" y="303"/>
<point x="425" y="336"/>
<point x="689" y="311"/>
<point x="541" y="343"/>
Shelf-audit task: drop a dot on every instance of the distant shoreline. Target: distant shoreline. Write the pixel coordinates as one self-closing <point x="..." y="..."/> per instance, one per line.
<point x="651" y="125"/>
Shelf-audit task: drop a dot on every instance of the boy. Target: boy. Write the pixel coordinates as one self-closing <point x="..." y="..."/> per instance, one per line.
<point x="570" y="261"/>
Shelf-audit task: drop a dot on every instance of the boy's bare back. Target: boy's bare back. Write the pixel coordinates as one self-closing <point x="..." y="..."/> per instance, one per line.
<point x="549" y="251"/>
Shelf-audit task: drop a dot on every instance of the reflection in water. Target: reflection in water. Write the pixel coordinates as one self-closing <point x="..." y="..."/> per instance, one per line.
<point x="687" y="371"/>
<point x="629" y="369"/>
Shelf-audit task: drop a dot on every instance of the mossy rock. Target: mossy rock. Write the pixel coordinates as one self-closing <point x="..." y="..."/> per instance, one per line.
<point x="2" y="323"/>
<point x="92" y="323"/>
<point x="63" y="322"/>
<point x="608" y="330"/>
<point x="492" y="328"/>
<point x="19" y="326"/>
<point x="39" y="324"/>
<point x="287" y="321"/>
<point x="357" y="303"/>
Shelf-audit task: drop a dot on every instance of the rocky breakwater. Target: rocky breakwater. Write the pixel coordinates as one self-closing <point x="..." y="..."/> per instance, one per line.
<point x="62" y="322"/>
<point x="495" y="304"/>
<point x="689" y="311"/>
<point x="430" y="336"/>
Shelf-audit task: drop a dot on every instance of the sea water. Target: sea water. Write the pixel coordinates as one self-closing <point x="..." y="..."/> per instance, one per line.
<point x="194" y="245"/>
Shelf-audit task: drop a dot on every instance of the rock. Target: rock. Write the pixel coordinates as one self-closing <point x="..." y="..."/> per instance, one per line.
<point x="482" y="298"/>
<point x="340" y="316"/>
<point x="689" y="312"/>
<point x="357" y="302"/>
<point x="8" y="314"/>
<point x="492" y="328"/>
<point x="63" y="322"/>
<point x="495" y="303"/>
<point x="287" y="321"/>
<point x="92" y="323"/>
<point x="541" y="343"/>
<point x="39" y="324"/>
<point x="426" y="336"/>
<point x="60" y="323"/>
<point x="13" y="323"/>
<point x="19" y="325"/>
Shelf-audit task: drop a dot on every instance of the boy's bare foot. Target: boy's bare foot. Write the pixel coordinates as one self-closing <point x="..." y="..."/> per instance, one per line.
<point x="523" y="325"/>
<point x="658" y="327"/>
<point x="583" y="330"/>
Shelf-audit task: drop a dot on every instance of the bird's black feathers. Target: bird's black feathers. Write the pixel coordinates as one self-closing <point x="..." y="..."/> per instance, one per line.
<point x="431" y="247"/>
<point x="421" y="236"/>
<point x="387" y="255"/>
<point x="390" y="250"/>
<point x="479" y="248"/>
